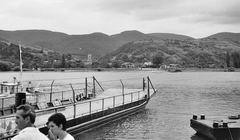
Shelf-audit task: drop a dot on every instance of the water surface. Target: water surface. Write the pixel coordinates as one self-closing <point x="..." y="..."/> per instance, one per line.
<point x="167" y="116"/>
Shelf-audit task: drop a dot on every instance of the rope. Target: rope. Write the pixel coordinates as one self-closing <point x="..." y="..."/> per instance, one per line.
<point x="230" y="133"/>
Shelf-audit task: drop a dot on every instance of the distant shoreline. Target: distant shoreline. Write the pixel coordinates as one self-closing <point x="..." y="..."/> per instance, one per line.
<point x="130" y="69"/>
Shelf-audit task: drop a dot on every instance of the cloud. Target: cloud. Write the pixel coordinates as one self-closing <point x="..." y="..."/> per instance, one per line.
<point x="114" y="16"/>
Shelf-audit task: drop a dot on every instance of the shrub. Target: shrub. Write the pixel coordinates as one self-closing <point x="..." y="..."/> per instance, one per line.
<point x="4" y="66"/>
<point x="17" y="68"/>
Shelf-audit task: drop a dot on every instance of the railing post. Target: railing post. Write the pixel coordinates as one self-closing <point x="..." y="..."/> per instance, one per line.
<point x="90" y="106"/>
<point x="86" y="87"/>
<point x="102" y="104"/>
<point x="131" y="97"/>
<point x="122" y="90"/>
<point x="74" y="103"/>
<point x="113" y="101"/>
<point x="94" y="94"/>
<point x="143" y="84"/>
<point x="2" y="103"/>
<point x="138" y="95"/>
<point x="148" y="91"/>
<point x="51" y="92"/>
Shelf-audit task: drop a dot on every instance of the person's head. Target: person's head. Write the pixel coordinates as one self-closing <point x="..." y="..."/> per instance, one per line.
<point x="25" y="116"/>
<point x="57" y="123"/>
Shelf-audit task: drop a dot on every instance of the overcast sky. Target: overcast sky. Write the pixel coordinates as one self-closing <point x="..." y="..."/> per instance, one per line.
<point x="195" y="18"/>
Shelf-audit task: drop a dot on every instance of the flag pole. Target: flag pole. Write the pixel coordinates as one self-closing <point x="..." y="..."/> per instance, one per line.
<point x="20" y="55"/>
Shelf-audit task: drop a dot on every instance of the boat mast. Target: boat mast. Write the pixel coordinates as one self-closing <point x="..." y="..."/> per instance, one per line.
<point x="20" y="54"/>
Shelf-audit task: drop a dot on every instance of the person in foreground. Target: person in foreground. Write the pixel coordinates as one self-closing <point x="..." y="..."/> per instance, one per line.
<point x="25" y="119"/>
<point x="57" y="126"/>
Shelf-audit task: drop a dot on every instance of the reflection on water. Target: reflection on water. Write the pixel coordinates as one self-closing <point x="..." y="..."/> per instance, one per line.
<point x="167" y="116"/>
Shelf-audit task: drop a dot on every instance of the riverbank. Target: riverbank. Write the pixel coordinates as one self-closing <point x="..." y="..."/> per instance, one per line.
<point x="193" y="69"/>
<point x="208" y="70"/>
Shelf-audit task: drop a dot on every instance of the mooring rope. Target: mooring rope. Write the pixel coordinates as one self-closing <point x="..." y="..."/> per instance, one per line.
<point x="230" y="133"/>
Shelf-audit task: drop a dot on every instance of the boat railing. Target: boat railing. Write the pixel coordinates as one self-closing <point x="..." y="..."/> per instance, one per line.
<point x="82" y="107"/>
<point x="90" y="107"/>
<point x="96" y="105"/>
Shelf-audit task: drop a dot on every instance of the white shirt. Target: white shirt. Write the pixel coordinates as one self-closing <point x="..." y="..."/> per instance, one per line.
<point x="68" y="137"/>
<point x="30" y="133"/>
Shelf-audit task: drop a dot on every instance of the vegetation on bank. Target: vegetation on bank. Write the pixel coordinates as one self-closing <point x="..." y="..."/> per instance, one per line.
<point x="204" y="53"/>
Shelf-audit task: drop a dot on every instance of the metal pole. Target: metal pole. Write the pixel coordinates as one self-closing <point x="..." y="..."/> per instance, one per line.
<point x="94" y="94"/>
<point x="90" y="105"/>
<point x="113" y="101"/>
<point x="20" y="57"/>
<point x="131" y="97"/>
<point x="51" y="91"/>
<point x="143" y="83"/>
<point x="102" y="104"/>
<point x="148" y="91"/>
<point x="122" y="90"/>
<point x="86" y="87"/>
<point x="74" y="102"/>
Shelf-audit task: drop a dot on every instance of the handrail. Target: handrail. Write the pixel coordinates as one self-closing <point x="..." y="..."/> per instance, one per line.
<point x="151" y="84"/>
<point x="105" y="102"/>
<point x="91" y="110"/>
<point x="98" y="83"/>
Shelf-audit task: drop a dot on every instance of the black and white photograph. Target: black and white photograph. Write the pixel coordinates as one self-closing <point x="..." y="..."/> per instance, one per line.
<point x="119" y="70"/>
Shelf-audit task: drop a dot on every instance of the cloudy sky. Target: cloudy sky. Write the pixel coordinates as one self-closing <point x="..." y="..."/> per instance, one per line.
<point x="195" y="18"/>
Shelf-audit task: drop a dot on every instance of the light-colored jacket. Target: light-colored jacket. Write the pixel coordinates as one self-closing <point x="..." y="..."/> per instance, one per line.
<point x="30" y="133"/>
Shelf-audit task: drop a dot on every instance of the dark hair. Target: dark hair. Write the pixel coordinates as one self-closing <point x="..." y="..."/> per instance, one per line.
<point x="28" y="111"/>
<point x="58" y="118"/>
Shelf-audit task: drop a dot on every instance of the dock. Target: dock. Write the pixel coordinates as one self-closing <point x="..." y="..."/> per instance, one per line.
<point x="217" y="128"/>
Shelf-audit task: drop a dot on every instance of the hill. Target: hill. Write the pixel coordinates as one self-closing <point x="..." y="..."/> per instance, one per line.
<point x="29" y="37"/>
<point x="98" y="44"/>
<point x="174" y="47"/>
<point x="226" y="36"/>
<point x="171" y="36"/>
<point x="199" y="53"/>
<point x="31" y="57"/>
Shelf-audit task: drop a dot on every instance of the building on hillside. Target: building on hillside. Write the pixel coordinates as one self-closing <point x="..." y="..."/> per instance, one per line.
<point x="88" y="61"/>
<point x="147" y="64"/>
<point x="127" y="65"/>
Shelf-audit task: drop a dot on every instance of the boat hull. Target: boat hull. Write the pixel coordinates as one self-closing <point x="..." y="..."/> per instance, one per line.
<point x="88" y="122"/>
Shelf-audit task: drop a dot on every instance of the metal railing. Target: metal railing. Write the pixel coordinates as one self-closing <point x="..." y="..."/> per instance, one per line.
<point x="79" y="108"/>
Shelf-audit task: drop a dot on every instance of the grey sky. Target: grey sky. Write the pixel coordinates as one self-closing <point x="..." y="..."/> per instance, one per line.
<point x="195" y="18"/>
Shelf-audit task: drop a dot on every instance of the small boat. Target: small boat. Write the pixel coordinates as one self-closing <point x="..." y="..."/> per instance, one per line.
<point x="226" y="128"/>
<point x="174" y="68"/>
<point x="85" y="108"/>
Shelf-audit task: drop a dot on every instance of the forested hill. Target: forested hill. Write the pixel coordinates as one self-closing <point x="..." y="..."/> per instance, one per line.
<point x="31" y="57"/>
<point x="97" y="44"/>
<point x="197" y="52"/>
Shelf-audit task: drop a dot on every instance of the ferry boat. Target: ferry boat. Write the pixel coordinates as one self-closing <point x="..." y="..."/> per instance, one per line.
<point x="216" y="128"/>
<point x="85" y="108"/>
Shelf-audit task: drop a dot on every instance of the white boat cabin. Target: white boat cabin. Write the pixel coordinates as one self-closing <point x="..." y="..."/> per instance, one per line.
<point x="9" y="88"/>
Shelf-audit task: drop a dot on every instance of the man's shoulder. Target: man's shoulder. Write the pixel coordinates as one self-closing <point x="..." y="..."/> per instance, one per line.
<point x="16" y="137"/>
<point x="30" y="135"/>
<point x="69" y="137"/>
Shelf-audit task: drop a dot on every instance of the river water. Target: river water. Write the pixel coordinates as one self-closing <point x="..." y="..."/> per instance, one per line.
<point x="167" y="115"/>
